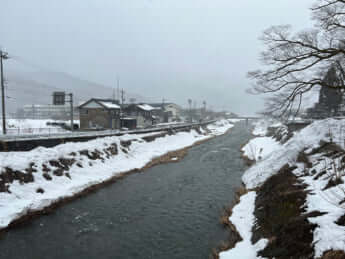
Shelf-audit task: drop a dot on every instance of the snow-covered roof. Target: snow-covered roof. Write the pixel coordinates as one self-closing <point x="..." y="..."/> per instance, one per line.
<point x="100" y="103"/>
<point x="146" y="107"/>
<point x="110" y="105"/>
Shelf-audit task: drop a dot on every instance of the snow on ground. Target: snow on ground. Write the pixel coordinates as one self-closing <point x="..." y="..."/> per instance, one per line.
<point x="259" y="148"/>
<point x="243" y="218"/>
<point x="307" y="138"/>
<point x="24" y="197"/>
<point x="33" y="126"/>
<point x="261" y="126"/>
<point x="327" y="235"/>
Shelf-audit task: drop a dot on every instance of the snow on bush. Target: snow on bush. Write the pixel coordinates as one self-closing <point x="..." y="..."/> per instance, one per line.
<point x="33" y="126"/>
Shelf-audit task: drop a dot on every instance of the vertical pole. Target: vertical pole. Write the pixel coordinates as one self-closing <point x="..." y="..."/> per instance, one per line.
<point x="191" y="115"/>
<point x="2" y="95"/>
<point x="122" y="96"/>
<point x="71" y="103"/>
<point x="121" y="105"/>
<point x="118" y="88"/>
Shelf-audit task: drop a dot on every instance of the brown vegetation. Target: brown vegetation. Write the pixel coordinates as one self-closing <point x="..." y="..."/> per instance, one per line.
<point x="334" y="181"/>
<point x="333" y="255"/>
<point x="303" y="158"/>
<point x="234" y="236"/>
<point x="279" y="210"/>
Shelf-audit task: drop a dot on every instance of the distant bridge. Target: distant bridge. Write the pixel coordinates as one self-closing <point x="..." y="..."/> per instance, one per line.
<point x="246" y="118"/>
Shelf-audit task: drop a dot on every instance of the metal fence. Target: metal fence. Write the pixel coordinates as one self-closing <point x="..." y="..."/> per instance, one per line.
<point x="32" y="133"/>
<point x="35" y="131"/>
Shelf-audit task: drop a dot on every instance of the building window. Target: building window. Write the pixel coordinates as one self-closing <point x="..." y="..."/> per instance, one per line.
<point x="84" y="111"/>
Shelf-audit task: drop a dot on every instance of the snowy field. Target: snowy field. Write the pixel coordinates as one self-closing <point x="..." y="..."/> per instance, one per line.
<point x="31" y="126"/>
<point x="51" y="183"/>
<point x="327" y="235"/>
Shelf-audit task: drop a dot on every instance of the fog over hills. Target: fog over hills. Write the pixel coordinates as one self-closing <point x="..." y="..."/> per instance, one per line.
<point x="36" y="87"/>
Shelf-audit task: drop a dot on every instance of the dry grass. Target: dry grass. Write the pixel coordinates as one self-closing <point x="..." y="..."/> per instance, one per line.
<point x="334" y="255"/>
<point x="224" y="246"/>
<point x="303" y="158"/>
<point x="224" y="220"/>
<point x="241" y="191"/>
<point x="227" y="211"/>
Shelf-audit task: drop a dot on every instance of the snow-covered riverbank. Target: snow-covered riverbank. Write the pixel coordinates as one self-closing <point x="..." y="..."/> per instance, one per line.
<point x="315" y="158"/>
<point x="31" y="181"/>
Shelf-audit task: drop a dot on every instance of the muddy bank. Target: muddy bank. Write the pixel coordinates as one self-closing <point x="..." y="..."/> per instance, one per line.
<point x="234" y="236"/>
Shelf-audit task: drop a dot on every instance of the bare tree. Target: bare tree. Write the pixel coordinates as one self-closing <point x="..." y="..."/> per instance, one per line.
<point x="297" y="62"/>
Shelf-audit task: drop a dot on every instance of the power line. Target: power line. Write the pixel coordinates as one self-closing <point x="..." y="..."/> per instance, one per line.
<point x="31" y="64"/>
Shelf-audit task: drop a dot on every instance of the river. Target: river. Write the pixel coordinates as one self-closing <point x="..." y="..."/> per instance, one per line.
<point x="169" y="211"/>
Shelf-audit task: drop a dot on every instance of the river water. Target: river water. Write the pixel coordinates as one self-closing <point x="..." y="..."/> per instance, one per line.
<point x="169" y="211"/>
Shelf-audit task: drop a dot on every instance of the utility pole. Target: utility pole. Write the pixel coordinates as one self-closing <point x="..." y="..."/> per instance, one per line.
<point x="118" y="88"/>
<point x="163" y="102"/>
<point x="204" y="103"/>
<point x="71" y="110"/>
<point x="121" y="104"/>
<point x="3" y="55"/>
<point x="190" y="110"/>
<point x="122" y="96"/>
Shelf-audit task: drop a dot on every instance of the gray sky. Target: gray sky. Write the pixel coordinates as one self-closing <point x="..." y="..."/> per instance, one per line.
<point x="176" y="49"/>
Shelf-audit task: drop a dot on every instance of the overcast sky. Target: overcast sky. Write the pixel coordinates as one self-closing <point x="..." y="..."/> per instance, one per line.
<point x="176" y="49"/>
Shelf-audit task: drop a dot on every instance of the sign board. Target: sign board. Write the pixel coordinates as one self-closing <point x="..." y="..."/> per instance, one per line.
<point x="59" y="98"/>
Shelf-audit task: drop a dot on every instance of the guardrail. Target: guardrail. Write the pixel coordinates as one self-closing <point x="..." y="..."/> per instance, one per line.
<point x="28" y="142"/>
<point x="34" y="131"/>
<point x="31" y="134"/>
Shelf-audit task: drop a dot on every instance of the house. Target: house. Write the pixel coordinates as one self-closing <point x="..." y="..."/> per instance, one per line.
<point x="100" y="114"/>
<point x="168" y="111"/>
<point x="129" y="123"/>
<point x="143" y="113"/>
